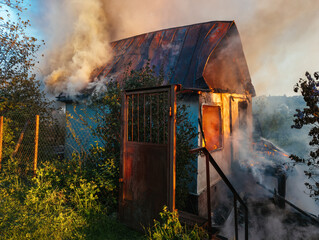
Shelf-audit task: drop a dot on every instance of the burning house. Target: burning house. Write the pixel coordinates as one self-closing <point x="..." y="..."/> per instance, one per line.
<point x="208" y="61"/>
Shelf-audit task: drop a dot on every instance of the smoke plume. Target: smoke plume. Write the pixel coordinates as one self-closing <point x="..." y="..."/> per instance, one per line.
<point x="279" y="36"/>
<point x="83" y="46"/>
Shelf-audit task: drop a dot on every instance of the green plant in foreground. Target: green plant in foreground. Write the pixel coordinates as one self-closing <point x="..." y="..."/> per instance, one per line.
<point x="169" y="227"/>
<point x="38" y="208"/>
<point x="61" y="202"/>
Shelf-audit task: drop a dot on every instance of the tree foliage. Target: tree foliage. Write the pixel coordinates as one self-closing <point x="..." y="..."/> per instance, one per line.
<point x="21" y="97"/>
<point x="19" y="89"/>
<point x="309" y="89"/>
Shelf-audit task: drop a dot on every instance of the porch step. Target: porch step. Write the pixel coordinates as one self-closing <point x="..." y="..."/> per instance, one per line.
<point x="191" y="219"/>
<point x="218" y="237"/>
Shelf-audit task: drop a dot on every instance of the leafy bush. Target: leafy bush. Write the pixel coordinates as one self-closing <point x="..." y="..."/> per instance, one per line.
<point x="37" y="208"/>
<point x="60" y="203"/>
<point x="309" y="89"/>
<point x="8" y="143"/>
<point x="105" y="172"/>
<point x="169" y="227"/>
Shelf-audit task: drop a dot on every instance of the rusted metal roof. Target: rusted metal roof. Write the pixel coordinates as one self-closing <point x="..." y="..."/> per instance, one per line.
<point x="205" y="55"/>
<point x="183" y="53"/>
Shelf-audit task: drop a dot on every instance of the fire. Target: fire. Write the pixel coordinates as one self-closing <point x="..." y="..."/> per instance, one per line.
<point x="270" y="150"/>
<point x="286" y="155"/>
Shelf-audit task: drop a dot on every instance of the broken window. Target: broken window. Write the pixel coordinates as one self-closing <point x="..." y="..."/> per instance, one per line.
<point x="212" y="127"/>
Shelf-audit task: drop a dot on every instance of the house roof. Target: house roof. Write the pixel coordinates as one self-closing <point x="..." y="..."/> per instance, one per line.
<point x="190" y="55"/>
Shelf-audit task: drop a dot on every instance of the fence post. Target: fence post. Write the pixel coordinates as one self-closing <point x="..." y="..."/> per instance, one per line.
<point x="20" y="139"/>
<point x="1" y="134"/>
<point x="36" y="144"/>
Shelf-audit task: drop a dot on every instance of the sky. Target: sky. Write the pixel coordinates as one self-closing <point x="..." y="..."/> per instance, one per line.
<point x="280" y="37"/>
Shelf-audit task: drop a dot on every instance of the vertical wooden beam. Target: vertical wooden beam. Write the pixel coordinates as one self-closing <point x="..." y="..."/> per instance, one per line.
<point x="20" y="139"/>
<point x="281" y="181"/>
<point x="150" y="118"/>
<point x="158" y="119"/>
<point x="132" y="97"/>
<point x="164" y="119"/>
<point x="36" y="145"/>
<point x="236" y="218"/>
<point x="138" y="117"/>
<point x="246" y="223"/>
<point x="231" y="133"/>
<point x="124" y="138"/>
<point x="209" y="210"/>
<point x="1" y="134"/>
<point x="144" y="117"/>
<point x="172" y="146"/>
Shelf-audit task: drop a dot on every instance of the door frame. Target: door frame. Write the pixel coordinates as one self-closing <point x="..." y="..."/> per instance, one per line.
<point x="171" y="153"/>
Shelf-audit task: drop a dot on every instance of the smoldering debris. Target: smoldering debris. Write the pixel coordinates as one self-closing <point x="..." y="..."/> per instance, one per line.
<point x="257" y="175"/>
<point x="266" y="221"/>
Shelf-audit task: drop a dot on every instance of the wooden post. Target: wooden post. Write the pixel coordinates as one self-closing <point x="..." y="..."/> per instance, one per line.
<point x="36" y="144"/>
<point x="209" y="210"/>
<point x="172" y="146"/>
<point x="1" y="134"/>
<point x="236" y="218"/>
<point x="20" y="139"/>
<point x="281" y="179"/>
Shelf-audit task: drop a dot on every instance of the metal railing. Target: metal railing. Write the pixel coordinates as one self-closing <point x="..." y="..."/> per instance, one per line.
<point x="210" y="159"/>
<point x="313" y="218"/>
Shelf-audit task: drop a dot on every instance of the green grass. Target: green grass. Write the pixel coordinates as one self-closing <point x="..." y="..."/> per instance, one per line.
<point x="106" y="227"/>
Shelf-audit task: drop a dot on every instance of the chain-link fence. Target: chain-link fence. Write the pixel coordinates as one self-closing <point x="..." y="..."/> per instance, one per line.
<point x="28" y="142"/>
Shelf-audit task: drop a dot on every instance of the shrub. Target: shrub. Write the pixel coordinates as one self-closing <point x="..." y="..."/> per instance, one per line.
<point x="37" y="208"/>
<point x="61" y="202"/>
<point x="169" y="227"/>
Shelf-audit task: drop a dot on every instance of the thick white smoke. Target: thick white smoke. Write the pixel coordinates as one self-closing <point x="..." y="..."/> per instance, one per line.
<point x="267" y="221"/>
<point x="81" y="44"/>
<point x="279" y="36"/>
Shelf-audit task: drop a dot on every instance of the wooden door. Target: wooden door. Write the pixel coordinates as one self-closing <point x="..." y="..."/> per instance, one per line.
<point x="147" y="173"/>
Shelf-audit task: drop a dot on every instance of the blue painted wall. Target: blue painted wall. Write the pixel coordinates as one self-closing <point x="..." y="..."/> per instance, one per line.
<point x="79" y="136"/>
<point x="192" y="101"/>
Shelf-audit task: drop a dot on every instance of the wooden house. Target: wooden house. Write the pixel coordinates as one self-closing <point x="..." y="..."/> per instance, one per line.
<point x="208" y="61"/>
